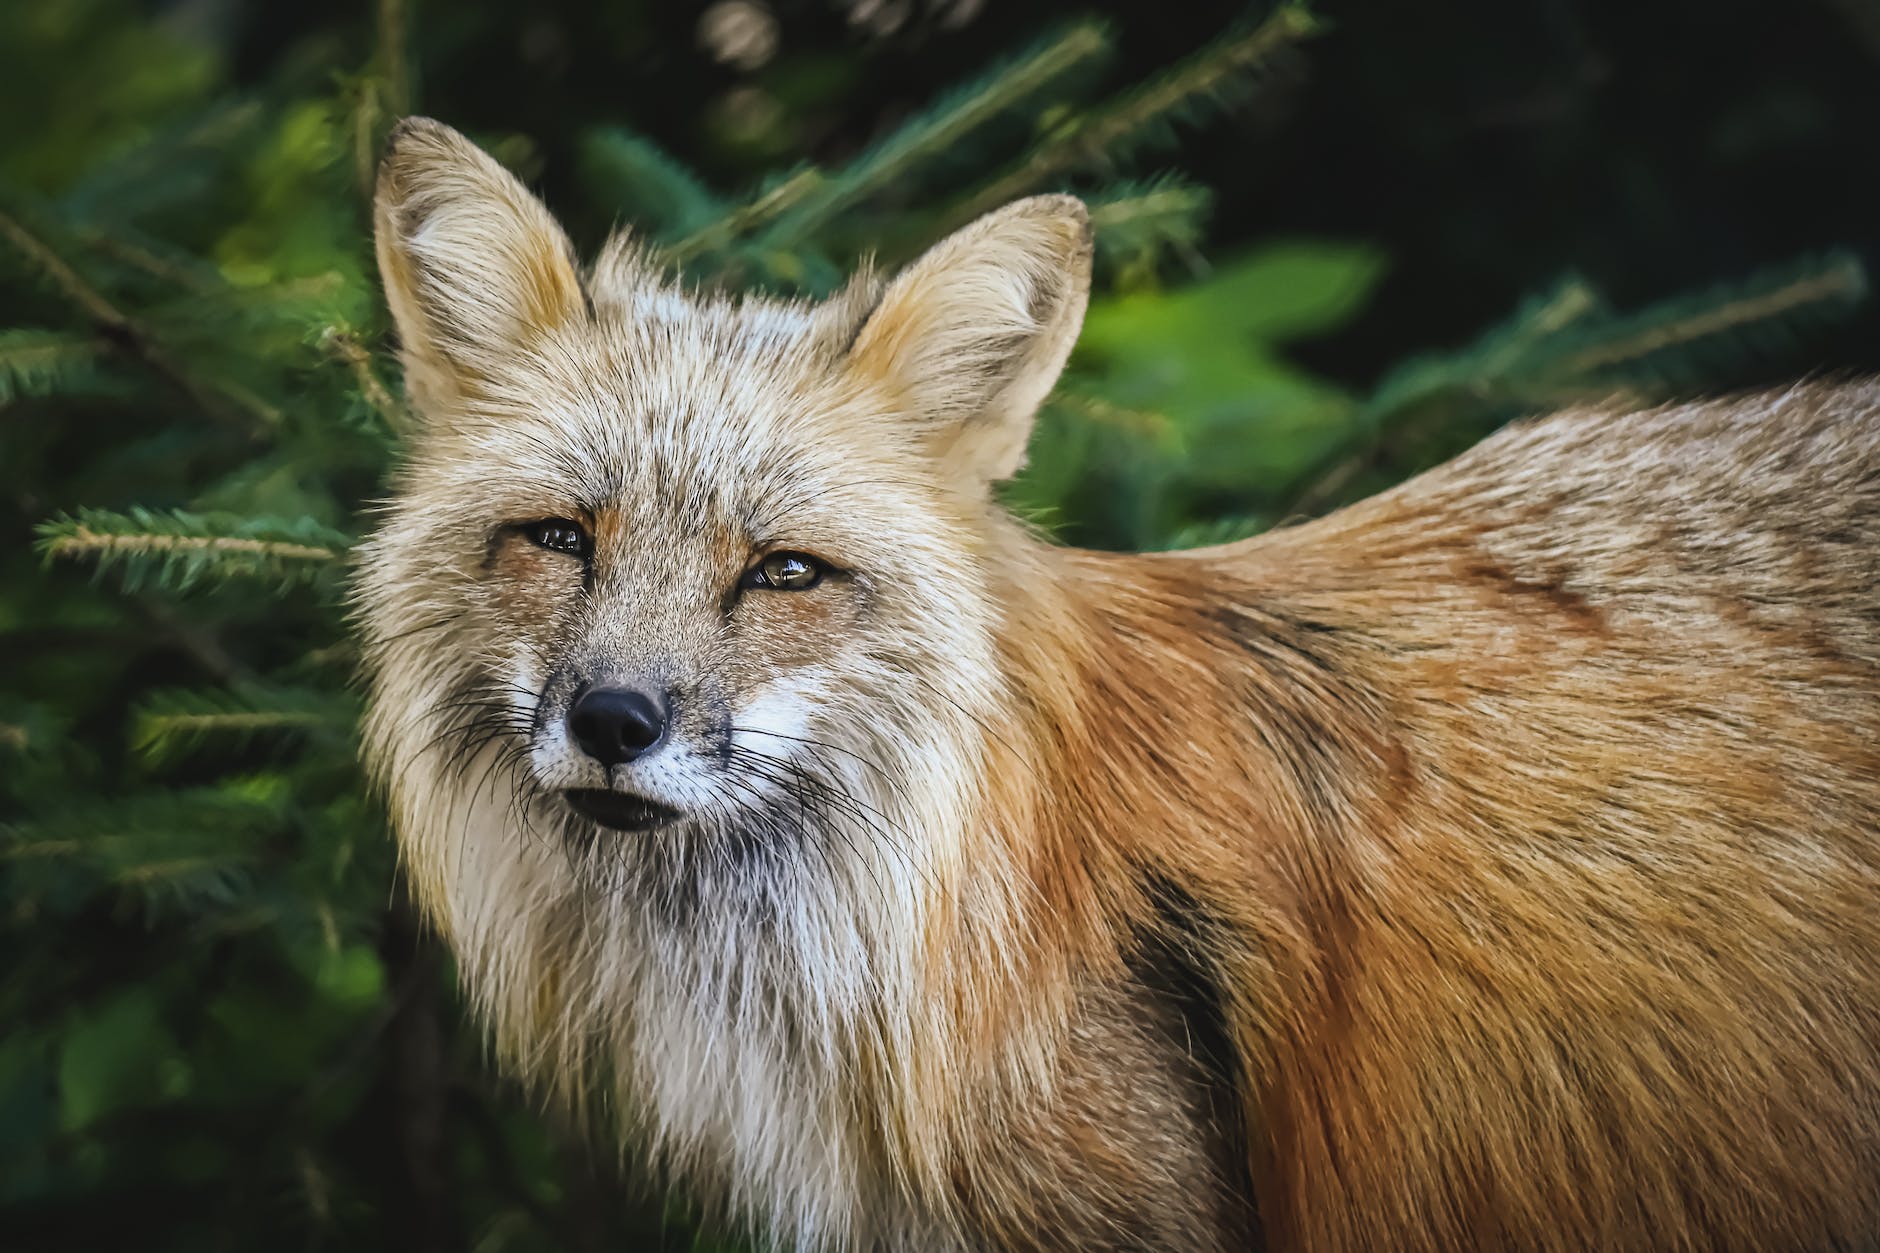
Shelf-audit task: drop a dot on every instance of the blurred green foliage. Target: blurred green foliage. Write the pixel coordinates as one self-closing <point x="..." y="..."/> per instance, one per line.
<point x="220" y="1027"/>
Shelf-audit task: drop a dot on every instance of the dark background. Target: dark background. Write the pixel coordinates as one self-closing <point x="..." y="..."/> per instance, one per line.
<point x="1488" y="146"/>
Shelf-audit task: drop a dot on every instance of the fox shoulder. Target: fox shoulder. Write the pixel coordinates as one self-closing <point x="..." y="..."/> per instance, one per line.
<point x="1555" y="817"/>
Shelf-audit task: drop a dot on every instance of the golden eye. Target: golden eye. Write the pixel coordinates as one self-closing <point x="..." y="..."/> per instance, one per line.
<point x="562" y="535"/>
<point x="786" y="572"/>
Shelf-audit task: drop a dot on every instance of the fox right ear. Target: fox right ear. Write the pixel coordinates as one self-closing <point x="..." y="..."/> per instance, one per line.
<point x="974" y="334"/>
<point x="475" y="268"/>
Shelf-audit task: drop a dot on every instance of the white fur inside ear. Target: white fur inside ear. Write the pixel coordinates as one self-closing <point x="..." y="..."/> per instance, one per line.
<point x="972" y="336"/>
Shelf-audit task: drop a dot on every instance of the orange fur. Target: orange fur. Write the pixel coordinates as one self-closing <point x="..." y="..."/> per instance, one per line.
<point x="1535" y="867"/>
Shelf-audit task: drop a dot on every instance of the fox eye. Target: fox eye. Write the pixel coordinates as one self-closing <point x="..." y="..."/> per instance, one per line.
<point x="786" y="572"/>
<point x="562" y="535"/>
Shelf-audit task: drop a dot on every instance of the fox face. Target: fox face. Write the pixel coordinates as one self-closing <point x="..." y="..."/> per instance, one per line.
<point x="680" y="627"/>
<point x="711" y="564"/>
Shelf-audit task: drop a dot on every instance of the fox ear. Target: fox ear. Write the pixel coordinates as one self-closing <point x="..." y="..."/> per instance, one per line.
<point x="475" y="269"/>
<point x="973" y="335"/>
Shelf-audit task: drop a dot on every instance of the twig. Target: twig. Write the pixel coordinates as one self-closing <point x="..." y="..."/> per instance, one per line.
<point x="1096" y="135"/>
<point x="144" y="259"/>
<point x="345" y="346"/>
<point x="745" y="218"/>
<point x="1844" y="281"/>
<point x="394" y="69"/>
<point x="939" y="131"/>
<point x="82" y="541"/>
<point x="115" y="326"/>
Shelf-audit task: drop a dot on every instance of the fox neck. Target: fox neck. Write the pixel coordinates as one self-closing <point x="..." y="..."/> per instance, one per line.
<point x="1174" y="760"/>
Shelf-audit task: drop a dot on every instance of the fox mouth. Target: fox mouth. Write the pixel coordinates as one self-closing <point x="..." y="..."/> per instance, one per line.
<point x="619" y="811"/>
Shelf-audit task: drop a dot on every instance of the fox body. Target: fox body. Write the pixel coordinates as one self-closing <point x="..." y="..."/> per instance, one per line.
<point x="1493" y="863"/>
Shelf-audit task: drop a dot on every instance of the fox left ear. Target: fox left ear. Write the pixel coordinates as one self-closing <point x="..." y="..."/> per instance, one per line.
<point x="974" y="334"/>
<point x="475" y="268"/>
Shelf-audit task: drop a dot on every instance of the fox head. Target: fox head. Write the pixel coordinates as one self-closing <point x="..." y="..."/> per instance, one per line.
<point x="681" y="621"/>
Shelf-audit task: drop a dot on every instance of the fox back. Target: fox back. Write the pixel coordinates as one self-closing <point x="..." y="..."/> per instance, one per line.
<point x="1492" y="863"/>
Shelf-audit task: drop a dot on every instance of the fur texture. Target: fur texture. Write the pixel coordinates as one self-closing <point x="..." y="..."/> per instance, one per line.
<point x="1490" y="864"/>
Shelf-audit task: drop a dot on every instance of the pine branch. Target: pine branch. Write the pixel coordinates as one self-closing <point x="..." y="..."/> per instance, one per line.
<point x="366" y="111"/>
<point x="1768" y="301"/>
<point x="174" y="822"/>
<point x="170" y="168"/>
<point x="111" y="323"/>
<point x="645" y="184"/>
<point x="935" y="132"/>
<point x="176" y="550"/>
<point x="152" y="258"/>
<point x="170" y="723"/>
<point x="1107" y="135"/>
<point x="41" y="363"/>
<point x="88" y="299"/>
<point x="185" y="849"/>
<point x="343" y="346"/>
<point x="1566" y="347"/>
<point x="381" y="93"/>
<point x="302" y="308"/>
<point x="1141" y="220"/>
<point x="1480" y="368"/>
<point x="774" y="201"/>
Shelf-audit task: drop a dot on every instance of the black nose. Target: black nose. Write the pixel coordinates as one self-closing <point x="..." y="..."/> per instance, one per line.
<point x="616" y="724"/>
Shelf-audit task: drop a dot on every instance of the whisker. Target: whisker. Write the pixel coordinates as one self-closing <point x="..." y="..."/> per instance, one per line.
<point x="843" y="802"/>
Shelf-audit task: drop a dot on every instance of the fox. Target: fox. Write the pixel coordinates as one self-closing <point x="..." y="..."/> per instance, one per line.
<point x="1492" y="863"/>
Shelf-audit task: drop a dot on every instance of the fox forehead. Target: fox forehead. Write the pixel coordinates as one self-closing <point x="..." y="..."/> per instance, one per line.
<point x="670" y="410"/>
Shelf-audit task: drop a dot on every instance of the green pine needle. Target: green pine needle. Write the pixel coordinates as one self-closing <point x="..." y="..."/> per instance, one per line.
<point x="342" y="345"/>
<point x="1110" y="135"/>
<point x="1141" y="220"/>
<point x="184" y="850"/>
<point x="939" y="129"/>
<point x="42" y="363"/>
<point x="1219" y="531"/>
<point x="1743" y="320"/>
<point x="172" y="722"/>
<point x="778" y="197"/>
<point x="645" y="184"/>
<point x="1567" y="347"/>
<point x="176" y="550"/>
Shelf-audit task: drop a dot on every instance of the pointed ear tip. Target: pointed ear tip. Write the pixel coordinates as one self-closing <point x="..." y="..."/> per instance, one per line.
<point x="1061" y="202"/>
<point x="1068" y="210"/>
<point x="416" y="142"/>
<point x="412" y="132"/>
<point x="1055" y="204"/>
<point x="414" y="124"/>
